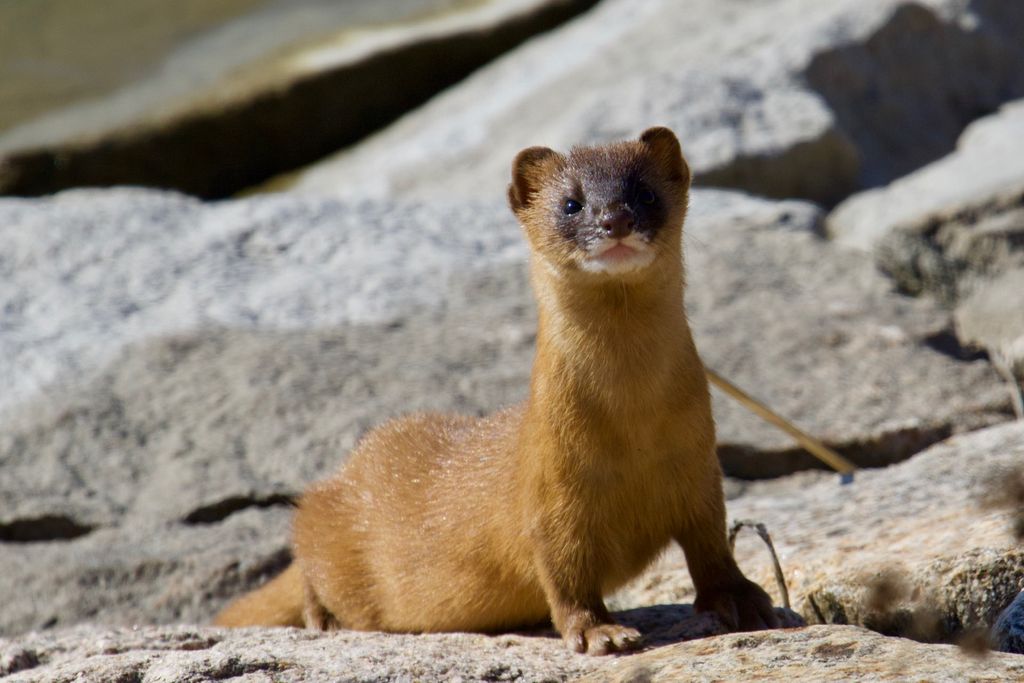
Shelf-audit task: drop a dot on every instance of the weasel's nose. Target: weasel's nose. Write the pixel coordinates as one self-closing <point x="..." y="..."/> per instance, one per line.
<point x="617" y="223"/>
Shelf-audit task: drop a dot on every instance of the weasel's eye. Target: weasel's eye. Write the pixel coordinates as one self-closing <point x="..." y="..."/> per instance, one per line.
<point x="572" y="206"/>
<point x="646" y="196"/>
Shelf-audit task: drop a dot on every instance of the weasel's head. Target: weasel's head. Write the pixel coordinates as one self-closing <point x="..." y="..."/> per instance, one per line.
<point x="609" y="211"/>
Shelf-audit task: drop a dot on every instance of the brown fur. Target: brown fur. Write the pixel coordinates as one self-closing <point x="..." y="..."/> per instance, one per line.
<point x="446" y="523"/>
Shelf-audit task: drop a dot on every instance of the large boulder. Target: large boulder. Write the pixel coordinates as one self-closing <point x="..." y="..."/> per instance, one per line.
<point x="278" y="86"/>
<point x="937" y="229"/>
<point x="818" y="334"/>
<point x="783" y="98"/>
<point x="954" y="230"/>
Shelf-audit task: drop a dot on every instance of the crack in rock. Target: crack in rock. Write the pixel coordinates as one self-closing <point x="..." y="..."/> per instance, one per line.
<point x="744" y="462"/>
<point x="42" y="528"/>
<point x="222" y="509"/>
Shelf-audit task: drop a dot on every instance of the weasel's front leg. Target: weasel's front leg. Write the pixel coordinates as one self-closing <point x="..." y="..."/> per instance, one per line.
<point x="721" y="587"/>
<point x="577" y="608"/>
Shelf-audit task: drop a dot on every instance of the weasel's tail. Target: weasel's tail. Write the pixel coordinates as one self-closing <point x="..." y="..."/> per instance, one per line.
<point x="277" y="603"/>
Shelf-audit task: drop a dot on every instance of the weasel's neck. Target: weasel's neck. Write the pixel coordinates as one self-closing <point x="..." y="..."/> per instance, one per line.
<point x="618" y="343"/>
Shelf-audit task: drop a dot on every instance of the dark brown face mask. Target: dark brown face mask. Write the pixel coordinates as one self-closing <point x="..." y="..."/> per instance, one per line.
<point x="608" y="196"/>
<point x="575" y="206"/>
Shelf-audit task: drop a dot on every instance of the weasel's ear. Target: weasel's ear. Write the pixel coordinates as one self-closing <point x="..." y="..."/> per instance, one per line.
<point x="664" y="147"/>
<point x="528" y="171"/>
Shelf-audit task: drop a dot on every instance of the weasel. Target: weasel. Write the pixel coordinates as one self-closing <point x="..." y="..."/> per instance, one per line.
<point x="449" y="523"/>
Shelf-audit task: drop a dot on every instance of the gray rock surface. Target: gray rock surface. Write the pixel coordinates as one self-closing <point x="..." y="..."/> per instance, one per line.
<point x="180" y="370"/>
<point x="992" y="317"/>
<point x="91" y="271"/>
<point x="958" y="217"/>
<point x="93" y="654"/>
<point x="141" y="572"/>
<point x="955" y="230"/>
<point x="766" y="96"/>
<point x="819" y="335"/>
<point x="279" y="86"/>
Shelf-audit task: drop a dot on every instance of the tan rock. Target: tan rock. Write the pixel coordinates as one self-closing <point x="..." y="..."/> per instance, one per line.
<point x="90" y="654"/>
<point x="170" y="654"/>
<point x="813" y="654"/>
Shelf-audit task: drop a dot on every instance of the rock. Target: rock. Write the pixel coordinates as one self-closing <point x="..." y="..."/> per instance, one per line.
<point x="275" y="88"/>
<point x="232" y="420"/>
<point x="769" y="97"/>
<point x="818" y="335"/>
<point x="993" y="318"/>
<point x="85" y="56"/>
<point x="91" y="653"/>
<point x="91" y="271"/>
<point x="955" y="230"/>
<point x="816" y="653"/>
<point x="141" y="572"/>
<point x="940" y="228"/>
<point x="984" y="171"/>
<point x="904" y="91"/>
<point x="927" y="549"/>
<point x="1008" y="631"/>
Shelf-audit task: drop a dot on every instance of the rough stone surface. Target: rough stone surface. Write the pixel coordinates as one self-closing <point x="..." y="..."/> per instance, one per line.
<point x="941" y="228"/>
<point x="954" y="230"/>
<point x="277" y="88"/>
<point x="767" y="96"/>
<point x="88" y="271"/>
<point x="1008" y="631"/>
<point x="92" y="654"/>
<point x="823" y="340"/>
<point x="816" y="653"/>
<point x="993" y="318"/>
<point x="141" y="572"/>
<point x="928" y="549"/>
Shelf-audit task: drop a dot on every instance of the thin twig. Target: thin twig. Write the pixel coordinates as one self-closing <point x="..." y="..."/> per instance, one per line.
<point x="815" y="447"/>
<point x="763" y="533"/>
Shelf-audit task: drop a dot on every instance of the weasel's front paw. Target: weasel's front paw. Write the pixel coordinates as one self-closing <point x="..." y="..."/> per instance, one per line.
<point x="742" y="606"/>
<point x="602" y="639"/>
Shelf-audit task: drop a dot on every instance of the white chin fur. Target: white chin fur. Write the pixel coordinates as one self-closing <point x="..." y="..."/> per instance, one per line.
<point x="597" y="261"/>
